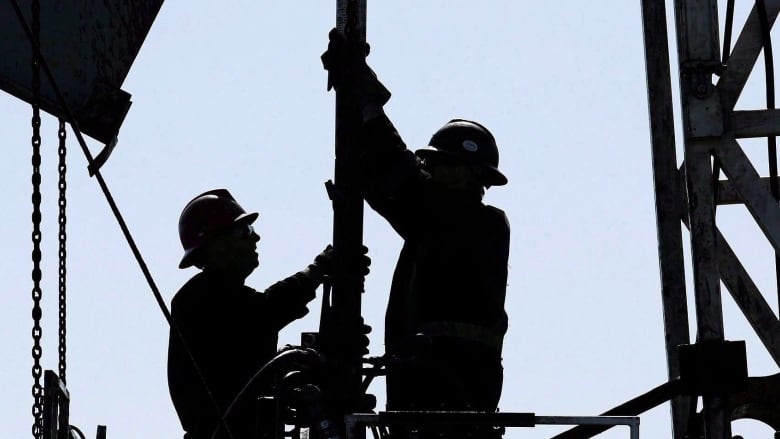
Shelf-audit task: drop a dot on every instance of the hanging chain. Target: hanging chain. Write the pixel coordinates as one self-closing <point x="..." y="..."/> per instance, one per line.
<point x="37" y="390"/>
<point x="62" y="202"/>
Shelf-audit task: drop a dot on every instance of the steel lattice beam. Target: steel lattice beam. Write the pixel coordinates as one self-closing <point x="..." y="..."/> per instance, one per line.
<point x="710" y="127"/>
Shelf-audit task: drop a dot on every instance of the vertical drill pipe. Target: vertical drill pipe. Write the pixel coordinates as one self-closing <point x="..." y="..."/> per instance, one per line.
<point x="347" y="283"/>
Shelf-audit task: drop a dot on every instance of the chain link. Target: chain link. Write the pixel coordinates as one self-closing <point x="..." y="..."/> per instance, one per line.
<point x="37" y="390"/>
<point x="62" y="219"/>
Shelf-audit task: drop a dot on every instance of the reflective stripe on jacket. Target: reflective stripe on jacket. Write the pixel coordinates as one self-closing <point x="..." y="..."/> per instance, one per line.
<point x="467" y="331"/>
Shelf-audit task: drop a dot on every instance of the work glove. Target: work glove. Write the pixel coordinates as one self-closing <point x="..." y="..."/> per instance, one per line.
<point x="364" y="261"/>
<point x="341" y="335"/>
<point x="345" y="61"/>
<point x="322" y="266"/>
<point x="326" y="263"/>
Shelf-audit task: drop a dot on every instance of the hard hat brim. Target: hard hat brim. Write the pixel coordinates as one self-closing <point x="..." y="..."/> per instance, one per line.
<point x="491" y="177"/>
<point x="187" y="259"/>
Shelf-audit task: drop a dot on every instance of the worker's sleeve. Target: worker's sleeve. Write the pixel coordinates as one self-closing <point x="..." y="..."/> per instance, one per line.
<point x="390" y="175"/>
<point x="286" y="300"/>
<point x="495" y="266"/>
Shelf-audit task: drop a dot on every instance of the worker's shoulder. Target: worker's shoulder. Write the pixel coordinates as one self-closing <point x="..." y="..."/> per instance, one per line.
<point x="192" y="291"/>
<point x="496" y="214"/>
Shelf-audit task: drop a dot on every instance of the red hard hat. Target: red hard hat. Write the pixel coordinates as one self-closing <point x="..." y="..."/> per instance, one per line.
<point x="205" y="215"/>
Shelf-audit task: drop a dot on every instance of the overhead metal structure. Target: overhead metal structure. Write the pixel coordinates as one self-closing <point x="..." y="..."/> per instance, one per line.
<point x="688" y="194"/>
<point x="89" y="47"/>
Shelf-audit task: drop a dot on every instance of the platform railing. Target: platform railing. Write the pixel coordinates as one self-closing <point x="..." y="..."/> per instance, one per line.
<point x="356" y="423"/>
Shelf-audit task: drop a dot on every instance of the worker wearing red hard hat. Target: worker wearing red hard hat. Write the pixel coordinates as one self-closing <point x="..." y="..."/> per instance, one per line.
<point x="223" y="331"/>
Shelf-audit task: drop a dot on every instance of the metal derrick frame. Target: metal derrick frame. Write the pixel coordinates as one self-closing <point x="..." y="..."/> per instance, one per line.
<point x="686" y="195"/>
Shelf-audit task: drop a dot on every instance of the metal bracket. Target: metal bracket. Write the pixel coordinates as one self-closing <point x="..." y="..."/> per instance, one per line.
<point x="713" y="367"/>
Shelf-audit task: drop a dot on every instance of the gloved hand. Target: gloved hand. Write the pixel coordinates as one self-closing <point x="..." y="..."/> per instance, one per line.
<point x="345" y="61"/>
<point x="322" y="266"/>
<point x="364" y="341"/>
<point x="325" y="264"/>
<point x="325" y="260"/>
<point x="364" y="261"/>
<point x="343" y="58"/>
<point x="342" y="335"/>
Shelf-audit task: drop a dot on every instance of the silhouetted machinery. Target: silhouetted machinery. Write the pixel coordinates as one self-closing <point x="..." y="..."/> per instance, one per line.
<point x="70" y="61"/>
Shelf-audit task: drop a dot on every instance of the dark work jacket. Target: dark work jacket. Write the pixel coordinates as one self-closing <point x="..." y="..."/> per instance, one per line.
<point x="450" y="278"/>
<point x="232" y="331"/>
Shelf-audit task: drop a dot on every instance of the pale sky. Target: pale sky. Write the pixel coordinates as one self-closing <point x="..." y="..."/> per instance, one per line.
<point x="232" y="94"/>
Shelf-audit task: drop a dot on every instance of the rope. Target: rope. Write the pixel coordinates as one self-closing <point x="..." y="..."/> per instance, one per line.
<point x="37" y="389"/>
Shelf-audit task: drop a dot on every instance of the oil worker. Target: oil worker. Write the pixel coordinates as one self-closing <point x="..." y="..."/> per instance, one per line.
<point x="228" y="331"/>
<point x="446" y="305"/>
